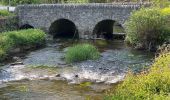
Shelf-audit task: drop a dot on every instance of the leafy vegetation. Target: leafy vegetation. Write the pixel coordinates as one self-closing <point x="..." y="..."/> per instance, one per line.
<point x="148" y="28"/>
<point x="5" y="13"/>
<point x="2" y="54"/>
<point x="81" y="52"/>
<point x="166" y="11"/>
<point x="22" y="38"/>
<point x="151" y="85"/>
<point x="160" y="3"/>
<point x="27" y="37"/>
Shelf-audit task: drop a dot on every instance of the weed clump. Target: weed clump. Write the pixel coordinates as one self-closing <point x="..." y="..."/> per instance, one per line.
<point x="81" y="52"/>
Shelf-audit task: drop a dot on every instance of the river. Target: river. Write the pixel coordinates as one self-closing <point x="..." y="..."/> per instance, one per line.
<point x="44" y="75"/>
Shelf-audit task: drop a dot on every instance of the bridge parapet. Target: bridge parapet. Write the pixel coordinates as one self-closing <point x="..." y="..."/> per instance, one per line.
<point x="86" y="5"/>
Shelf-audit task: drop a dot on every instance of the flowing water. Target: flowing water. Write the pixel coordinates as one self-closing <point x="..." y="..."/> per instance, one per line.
<point x="44" y="75"/>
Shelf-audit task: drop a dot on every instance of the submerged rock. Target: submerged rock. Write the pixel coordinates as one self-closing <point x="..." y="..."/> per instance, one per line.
<point x="58" y="75"/>
<point x="76" y="76"/>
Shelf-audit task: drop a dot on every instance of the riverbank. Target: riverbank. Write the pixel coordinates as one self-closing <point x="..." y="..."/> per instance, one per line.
<point x="152" y="84"/>
<point x="15" y="41"/>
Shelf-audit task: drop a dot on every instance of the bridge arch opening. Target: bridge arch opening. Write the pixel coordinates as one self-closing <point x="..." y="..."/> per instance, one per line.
<point x="63" y="28"/>
<point x="26" y="26"/>
<point x="108" y="29"/>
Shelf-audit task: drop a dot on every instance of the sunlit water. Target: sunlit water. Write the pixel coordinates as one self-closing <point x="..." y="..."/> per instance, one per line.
<point x="62" y="81"/>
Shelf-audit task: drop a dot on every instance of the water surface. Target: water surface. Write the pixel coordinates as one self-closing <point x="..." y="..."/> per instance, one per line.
<point x="76" y="81"/>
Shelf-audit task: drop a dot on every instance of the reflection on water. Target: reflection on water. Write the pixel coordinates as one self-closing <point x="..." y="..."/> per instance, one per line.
<point x="52" y="82"/>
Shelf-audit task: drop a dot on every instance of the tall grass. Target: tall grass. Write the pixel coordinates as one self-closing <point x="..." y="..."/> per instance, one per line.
<point x="27" y="37"/>
<point x="5" y="42"/>
<point x="23" y="38"/>
<point x="151" y="85"/>
<point x="81" y="52"/>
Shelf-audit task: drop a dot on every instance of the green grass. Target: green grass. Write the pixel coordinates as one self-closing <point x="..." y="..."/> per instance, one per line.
<point x="6" y="42"/>
<point x="5" y="13"/>
<point x="152" y="85"/>
<point x="27" y="37"/>
<point x="22" y="38"/>
<point x="81" y="52"/>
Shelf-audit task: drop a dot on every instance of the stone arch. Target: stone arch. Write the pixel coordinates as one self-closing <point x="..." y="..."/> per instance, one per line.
<point x="63" y="28"/>
<point x="105" y="29"/>
<point x="26" y="26"/>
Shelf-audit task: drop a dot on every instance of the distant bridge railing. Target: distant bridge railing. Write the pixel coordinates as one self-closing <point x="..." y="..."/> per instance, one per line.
<point x="10" y="8"/>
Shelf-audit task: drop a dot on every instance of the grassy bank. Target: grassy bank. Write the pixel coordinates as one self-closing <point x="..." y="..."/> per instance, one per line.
<point x="148" y="85"/>
<point x="20" y="39"/>
<point x="81" y="52"/>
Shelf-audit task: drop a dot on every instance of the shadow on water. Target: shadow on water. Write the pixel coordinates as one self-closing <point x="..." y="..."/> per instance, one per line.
<point x="76" y="81"/>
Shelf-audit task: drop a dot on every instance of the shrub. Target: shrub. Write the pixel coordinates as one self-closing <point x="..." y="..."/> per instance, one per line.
<point x="148" y="28"/>
<point x="5" y="45"/>
<point x="166" y="11"/>
<point x="152" y="85"/>
<point x="5" y="42"/>
<point x="27" y="37"/>
<point x="2" y="54"/>
<point x="160" y="3"/>
<point x="5" y="13"/>
<point x="81" y="52"/>
<point x="12" y="39"/>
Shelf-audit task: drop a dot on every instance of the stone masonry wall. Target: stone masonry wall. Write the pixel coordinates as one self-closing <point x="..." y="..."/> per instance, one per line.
<point x="84" y="16"/>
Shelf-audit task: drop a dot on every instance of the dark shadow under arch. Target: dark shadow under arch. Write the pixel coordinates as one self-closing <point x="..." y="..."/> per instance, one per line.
<point x="26" y="26"/>
<point x="63" y="28"/>
<point x="106" y="29"/>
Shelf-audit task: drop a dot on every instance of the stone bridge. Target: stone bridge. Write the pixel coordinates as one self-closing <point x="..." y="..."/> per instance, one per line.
<point x="83" y="20"/>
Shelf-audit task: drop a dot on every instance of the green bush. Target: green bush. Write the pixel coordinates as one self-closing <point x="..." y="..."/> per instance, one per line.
<point x="160" y="3"/>
<point x="6" y="43"/>
<point x="147" y="28"/>
<point x="22" y="38"/>
<point x="27" y="37"/>
<point x="2" y="54"/>
<point x="81" y="52"/>
<point x="151" y="85"/>
<point x="4" y="13"/>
